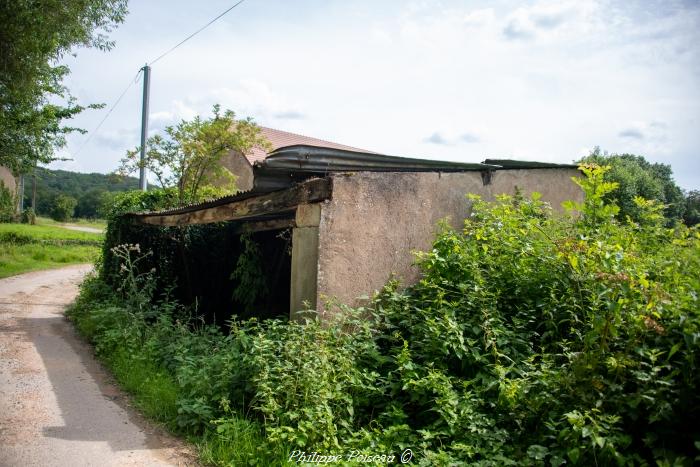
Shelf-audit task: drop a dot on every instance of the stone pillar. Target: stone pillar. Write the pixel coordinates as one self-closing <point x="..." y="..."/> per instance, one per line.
<point x="304" y="283"/>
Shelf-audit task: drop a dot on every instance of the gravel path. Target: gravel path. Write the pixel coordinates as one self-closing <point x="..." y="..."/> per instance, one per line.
<point x="81" y="228"/>
<point x="58" y="407"/>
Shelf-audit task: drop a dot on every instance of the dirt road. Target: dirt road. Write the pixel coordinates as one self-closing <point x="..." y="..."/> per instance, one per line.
<point x="81" y="228"/>
<point x="58" y="407"/>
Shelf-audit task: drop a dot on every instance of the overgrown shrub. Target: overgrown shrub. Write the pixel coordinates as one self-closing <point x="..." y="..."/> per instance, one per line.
<point x="8" y="205"/>
<point x="246" y="274"/>
<point x="535" y="339"/>
<point x="29" y="216"/>
<point x="63" y="208"/>
<point x="531" y="339"/>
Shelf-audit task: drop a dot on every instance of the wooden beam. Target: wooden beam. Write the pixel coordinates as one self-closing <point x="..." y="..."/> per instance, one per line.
<point x="281" y="201"/>
<point x="261" y="226"/>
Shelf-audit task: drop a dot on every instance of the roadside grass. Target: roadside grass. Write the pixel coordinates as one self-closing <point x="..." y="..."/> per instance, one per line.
<point x="25" y="248"/>
<point x="128" y="350"/>
<point x="93" y="223"/>
<point x="155" y="392"/>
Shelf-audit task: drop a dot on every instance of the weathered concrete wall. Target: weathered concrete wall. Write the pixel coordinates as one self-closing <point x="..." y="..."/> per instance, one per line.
<point x="238" y="165"/>
<point x="8" y="179"/>
<point x="374" y="221"/>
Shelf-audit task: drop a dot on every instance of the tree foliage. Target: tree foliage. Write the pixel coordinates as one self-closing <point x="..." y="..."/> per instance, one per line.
<point x="636" y="176"/>
<point x="691" y="216"/>
<point x="94" y="191"/>
<point x="34" y="36"/>
<point x="63" y="208"/>
<point x="189" y="156"/>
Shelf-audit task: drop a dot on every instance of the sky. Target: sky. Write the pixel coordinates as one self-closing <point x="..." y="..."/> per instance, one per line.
<point x="450" y="80"/>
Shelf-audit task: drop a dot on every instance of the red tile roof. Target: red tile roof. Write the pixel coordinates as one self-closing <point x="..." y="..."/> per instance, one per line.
<point x="280" y="139"/>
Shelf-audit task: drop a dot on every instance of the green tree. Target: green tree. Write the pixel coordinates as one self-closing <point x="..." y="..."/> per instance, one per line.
<point x="105" y="205"/>
<point x="691" y="216"/>
<point x="50" y="183"/>
<point x="89" y="204"/>
<point x="635" y="177"/>
<point x="189" y="156"/>
<point x="63" y="208"/>
<point x="34" y="36"/>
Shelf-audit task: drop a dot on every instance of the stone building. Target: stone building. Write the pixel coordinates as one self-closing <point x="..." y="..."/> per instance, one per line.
<point x="8" y="179"/>
<point x="356" y="216"/>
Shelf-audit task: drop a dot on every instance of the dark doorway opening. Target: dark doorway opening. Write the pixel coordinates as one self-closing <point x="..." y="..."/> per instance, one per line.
<point x="270" y="299"/>
<point x="219" y="293"/>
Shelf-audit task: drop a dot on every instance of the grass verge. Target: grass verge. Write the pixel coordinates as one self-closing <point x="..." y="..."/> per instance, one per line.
<point x="25" y="248"/>
<point x="127" y="348"/>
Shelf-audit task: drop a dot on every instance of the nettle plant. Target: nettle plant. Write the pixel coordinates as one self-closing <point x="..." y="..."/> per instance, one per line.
<point x="534" y="338"/>
<point x="137" y="287"/>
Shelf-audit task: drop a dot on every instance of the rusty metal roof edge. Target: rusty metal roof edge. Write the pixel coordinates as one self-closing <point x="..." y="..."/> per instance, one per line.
<point x="318" y="159"/>
<point x="195" y="206"/>
<point x="512" y="164"/>
<point x="211" y="203"/>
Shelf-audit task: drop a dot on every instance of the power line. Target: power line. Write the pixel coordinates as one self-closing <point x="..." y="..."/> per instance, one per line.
<point x="131" y="83"/>
<point x="196" y="32"/>
<point x="99" y="125"/>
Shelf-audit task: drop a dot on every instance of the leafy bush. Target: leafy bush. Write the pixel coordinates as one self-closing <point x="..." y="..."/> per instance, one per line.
<point x="29" y="216"/>
<point x="531" y="339"/>
<point x="139" y="201"/>
<point x="8" y="205"/>
<point x="63" y="208"/>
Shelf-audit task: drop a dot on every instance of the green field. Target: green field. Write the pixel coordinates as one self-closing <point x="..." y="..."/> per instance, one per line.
<point x="25" y="248"/>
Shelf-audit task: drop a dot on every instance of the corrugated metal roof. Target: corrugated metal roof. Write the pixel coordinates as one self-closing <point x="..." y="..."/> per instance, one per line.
<point x="302" y="158"/>
<point x="241" y="195"/>
<point x="311" y="186"/>
<point x="289" y="165"/>
<point x="279" y="139"/>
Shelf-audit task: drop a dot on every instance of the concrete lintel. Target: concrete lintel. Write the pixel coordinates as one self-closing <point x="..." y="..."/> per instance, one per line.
<point x="308" y="215"/>
<point x="303" y="290"/>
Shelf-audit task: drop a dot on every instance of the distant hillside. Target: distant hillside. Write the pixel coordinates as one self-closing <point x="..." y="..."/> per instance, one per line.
<point x="89" y="189"/>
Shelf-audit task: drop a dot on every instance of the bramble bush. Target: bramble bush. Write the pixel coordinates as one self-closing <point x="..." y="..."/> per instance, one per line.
<point x="531" y="339"/>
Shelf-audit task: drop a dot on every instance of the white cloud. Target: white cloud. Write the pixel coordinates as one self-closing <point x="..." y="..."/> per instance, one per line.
<point x="451" y="139"/>
<point x="552" y="19"/>
<point x="386" y="76"/>
<point x="633" y="133"/>
<point x="183" y="110"/>
<point x="436" y="138"/>
<point x="479" y="18"/>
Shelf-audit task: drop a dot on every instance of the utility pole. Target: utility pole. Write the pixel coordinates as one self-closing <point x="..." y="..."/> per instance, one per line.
<point x="143" y="184"/>
<point x="34" y="190"/>
<point x="20" y="204"/>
